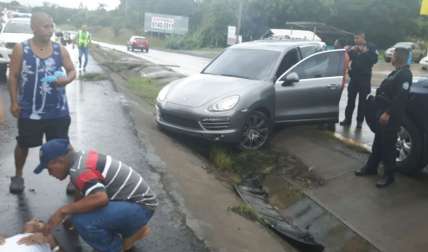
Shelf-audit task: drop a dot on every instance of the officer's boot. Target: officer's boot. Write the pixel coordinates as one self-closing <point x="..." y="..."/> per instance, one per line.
<point x="365" y="171"/>
<point x="386" y="179"/>
<point x="370" y="168"/>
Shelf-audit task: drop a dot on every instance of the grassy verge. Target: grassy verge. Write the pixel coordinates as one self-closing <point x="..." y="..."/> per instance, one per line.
<point x="146" y="88"/>
<point x="246" y="211"/>
<point x="202" y="52"/>
<point x="243" y="164"/>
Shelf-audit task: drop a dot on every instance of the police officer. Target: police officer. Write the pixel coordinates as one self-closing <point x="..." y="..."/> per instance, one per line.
<point x="392" y="95"/>
<point x="362" y="57"/>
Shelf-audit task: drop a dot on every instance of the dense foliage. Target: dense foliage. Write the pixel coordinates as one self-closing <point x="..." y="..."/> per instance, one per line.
<point x="384" y="21"/>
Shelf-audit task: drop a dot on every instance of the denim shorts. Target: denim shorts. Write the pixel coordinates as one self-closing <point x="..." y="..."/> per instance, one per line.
<point x="104" y="229"/>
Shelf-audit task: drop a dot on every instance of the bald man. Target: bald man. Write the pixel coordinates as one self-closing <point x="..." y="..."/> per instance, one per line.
<point x="37" y="91"/>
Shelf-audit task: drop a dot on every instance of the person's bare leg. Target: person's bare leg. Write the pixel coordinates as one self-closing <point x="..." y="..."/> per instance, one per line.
<point x="139" y="235"/>
<point x="20" y="158"/>
<point x="1" y="111"/>
<point x="17" y="182"/>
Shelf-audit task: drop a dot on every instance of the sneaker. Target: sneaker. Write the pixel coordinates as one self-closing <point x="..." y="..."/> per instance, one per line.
<point x="71" y="189"/>
<point x="16" y="185"/>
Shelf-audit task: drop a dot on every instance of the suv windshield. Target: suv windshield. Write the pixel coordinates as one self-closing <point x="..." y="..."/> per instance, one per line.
<point x="18" y="27"/>
<point x="245" y="63"/>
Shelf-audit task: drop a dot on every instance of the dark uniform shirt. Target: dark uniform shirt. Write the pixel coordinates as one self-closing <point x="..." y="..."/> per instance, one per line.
<point x="362" y="63"/>
<point x="394" y="91"/>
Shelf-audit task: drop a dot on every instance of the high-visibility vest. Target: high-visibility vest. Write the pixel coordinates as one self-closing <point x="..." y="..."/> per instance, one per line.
<point x="424" y="8"/>
<point x="83" y="39"/>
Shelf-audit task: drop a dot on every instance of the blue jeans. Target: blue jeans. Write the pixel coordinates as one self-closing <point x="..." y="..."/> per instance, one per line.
<point x="104" y="229"/>
<point x="83" y="51"/>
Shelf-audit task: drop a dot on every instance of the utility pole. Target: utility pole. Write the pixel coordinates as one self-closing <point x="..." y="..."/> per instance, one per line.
<point x="238" y="27"/>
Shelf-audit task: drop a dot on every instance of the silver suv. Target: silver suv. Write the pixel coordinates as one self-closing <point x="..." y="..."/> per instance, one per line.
<point x="14" y="31"/>
<point x="251" y="86"/>
<point x="418" y="50"/>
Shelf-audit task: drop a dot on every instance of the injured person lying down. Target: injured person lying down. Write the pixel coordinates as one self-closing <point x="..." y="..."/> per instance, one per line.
<point x="31" y="239"/>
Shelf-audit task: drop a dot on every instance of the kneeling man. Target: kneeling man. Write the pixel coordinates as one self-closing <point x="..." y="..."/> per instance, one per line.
<point x="115" y="202"/>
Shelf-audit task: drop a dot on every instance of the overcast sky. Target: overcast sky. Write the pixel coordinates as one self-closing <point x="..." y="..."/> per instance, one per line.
<point x="91" y="4"/>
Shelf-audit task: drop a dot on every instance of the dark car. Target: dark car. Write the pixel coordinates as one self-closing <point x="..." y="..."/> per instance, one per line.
<point x="138" y="43"/>
<point x="412" y="144"/>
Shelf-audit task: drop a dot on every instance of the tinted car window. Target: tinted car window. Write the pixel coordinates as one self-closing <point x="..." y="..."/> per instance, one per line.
<point x="289" y="60"/>
<point x="321" y="65"/>
<point x="18" y="27"/>
<point x="245" y="63"/>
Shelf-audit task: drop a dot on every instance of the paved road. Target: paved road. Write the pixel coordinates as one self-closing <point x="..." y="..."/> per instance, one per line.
<point x="99" y="121"/>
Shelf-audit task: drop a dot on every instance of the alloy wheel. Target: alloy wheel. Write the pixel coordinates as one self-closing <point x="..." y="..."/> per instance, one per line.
<point x="255" y="132"/>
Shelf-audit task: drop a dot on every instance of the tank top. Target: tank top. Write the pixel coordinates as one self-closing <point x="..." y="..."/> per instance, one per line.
<point x="39" y="97"/>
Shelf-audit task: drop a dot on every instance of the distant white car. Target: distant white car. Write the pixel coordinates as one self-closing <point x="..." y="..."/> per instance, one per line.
<point x="14" y="31"/>
<point x="424" y="63"/>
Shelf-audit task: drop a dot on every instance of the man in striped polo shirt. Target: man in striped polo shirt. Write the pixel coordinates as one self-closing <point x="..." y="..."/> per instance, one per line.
<point x="115" y="202"/>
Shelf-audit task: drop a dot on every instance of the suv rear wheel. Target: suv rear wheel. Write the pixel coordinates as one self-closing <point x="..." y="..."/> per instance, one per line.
<point x="409" y="148"/>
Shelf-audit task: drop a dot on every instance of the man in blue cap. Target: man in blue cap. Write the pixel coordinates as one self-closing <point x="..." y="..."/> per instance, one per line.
<point x="115" y="202"/>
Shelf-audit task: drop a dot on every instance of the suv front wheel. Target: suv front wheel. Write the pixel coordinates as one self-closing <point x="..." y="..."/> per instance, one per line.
<point x="256" y="131"/>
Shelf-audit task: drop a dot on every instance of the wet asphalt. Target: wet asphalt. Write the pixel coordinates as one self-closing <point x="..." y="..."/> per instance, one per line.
<point x="101" y="121"/>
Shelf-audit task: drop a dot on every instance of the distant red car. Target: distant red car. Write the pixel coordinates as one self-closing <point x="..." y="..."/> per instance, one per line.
<point x="138" y="43"/>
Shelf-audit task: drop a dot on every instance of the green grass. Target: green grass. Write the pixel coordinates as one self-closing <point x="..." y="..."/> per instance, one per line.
<point x="146" y="88"/>
<point x="381" y="55"/>
<point x="246" y="211"/>
<point x="221" y="158"/>
<point x="203" y="52"/>
<point x="243" y="163"/>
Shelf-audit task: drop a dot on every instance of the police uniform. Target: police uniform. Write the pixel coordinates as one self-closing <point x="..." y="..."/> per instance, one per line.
<point x="360" y="82"/>
<point x="392" y="96"/>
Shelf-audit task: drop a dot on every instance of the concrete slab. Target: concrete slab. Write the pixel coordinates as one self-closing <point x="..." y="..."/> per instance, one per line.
<point x="392" y="219"/>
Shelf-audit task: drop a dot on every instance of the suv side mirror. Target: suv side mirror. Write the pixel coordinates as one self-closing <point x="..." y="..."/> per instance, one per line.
<point x="290" y="79"/>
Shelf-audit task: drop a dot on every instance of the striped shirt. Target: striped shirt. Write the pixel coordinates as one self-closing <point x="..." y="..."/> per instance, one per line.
<point x="93" y="172"/>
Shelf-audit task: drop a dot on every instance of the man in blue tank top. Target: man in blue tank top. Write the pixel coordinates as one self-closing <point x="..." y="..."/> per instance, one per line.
<point x="37" y="90"/>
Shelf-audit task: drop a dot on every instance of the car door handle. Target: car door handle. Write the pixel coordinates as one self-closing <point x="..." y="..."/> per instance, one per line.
<point x="332" y="86"/>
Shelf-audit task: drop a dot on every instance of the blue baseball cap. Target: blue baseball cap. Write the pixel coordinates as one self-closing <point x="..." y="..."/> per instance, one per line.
<point x="50" y="151"/>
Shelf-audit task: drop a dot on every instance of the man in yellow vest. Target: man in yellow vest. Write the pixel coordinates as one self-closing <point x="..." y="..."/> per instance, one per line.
<point x="83" y="40"/>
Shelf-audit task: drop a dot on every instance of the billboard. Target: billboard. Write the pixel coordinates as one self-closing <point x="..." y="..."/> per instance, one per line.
<point x="231" y="35"/>
<point x="161" y="23"/>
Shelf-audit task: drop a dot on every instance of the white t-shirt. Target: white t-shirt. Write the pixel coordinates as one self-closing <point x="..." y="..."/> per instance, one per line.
<point x="11" y="245"/>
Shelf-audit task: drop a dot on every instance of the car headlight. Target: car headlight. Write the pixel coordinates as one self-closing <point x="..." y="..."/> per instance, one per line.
<point x="225" y="104"/>
<point x="162" y="94"/>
